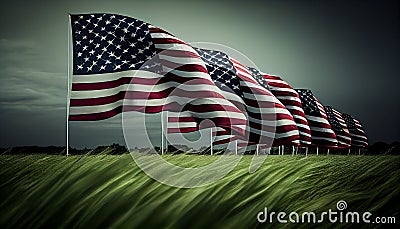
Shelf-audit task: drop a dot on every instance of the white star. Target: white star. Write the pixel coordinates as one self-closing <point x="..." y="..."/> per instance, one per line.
<point x="79" y="54"/>
<point x="86" y="59"/>
<point x="125" y="51"/>
<point x="110" y="42"/>
<point x="78" y="42"/>
<point x="89" y="68"/>
<point x="99" y="56"/>
<point x="103" y="67"/>
<point x="111" y="54"/>
<point x="96" y="46"/>
<point x="80" y="67"/>
<point x="117" y="67"/>
<point x="85" y="48"/>
<point x="103" y="38"/>
<point x="125" y="30"/>
<point x="118" y="46"/>
<point x="94" y="63"/>
<point x="108" y="22"/>
<point x="91" y="52"/>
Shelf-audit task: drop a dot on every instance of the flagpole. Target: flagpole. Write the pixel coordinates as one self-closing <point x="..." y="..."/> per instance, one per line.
<point x="166" y="131"/>
<point x="68" y="82"/>
<point x="292" y="150"/>
<point x="306" y="151"/>
<point x="327" y="153"/>
<point x="317" y="150"/>
<point x="211" y="140"/>
<point x="283" y="149"/>
<point x="236" y="147"/>
<point x="162" y="132"/>
<point x="257" y="149"/>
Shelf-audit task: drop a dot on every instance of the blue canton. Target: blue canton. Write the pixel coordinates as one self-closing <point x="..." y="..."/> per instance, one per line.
<point x="310" y="106"/>
<point x="104" y="43"/>
<point x="259" y="77"/>
<point x="220" y="69"/>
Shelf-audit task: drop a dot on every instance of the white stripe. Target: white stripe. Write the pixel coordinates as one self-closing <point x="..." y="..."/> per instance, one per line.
<point x="317" y="119"/>
<point x="154" y="102"/>
<point x="182" y="60"/>
<point x="105" y="77"/>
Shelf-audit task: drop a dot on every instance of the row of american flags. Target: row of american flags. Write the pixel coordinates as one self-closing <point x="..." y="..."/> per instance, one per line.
<point x="121" y="64"/>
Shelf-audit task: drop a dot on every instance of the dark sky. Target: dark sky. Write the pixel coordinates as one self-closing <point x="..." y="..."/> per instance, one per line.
<point x="346" y="52"/>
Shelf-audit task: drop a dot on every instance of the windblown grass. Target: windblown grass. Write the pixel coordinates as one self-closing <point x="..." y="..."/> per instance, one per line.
<point x="41" y="191"/>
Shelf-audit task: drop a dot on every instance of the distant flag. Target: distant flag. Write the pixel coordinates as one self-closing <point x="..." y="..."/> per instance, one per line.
<point x="321" y="131"/>
<point x="357" y="133"/>
<point x="110" y="52"/>
<point x="291" y="99"/>
<point x="339" y="127"/>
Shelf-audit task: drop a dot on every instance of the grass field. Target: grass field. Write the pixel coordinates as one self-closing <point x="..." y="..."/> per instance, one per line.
<point x="111" y="191"/>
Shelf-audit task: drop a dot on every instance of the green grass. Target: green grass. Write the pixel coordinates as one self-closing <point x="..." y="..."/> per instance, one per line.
<point x="111" y="191"/>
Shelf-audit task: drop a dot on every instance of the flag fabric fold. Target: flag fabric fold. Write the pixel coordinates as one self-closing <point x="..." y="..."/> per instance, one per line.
<point x="357" y="133"/>
<point x="291" y="99"/>
<point x="339" y="127"/>
<point x="123" y="64"/>
<point x="321" y="131"/>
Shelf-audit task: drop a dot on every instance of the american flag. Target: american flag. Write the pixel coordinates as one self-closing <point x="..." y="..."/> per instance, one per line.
<point x="291" y="99"/>
<point x="357" y="133"/>
<point x="266" y="115"/>
<point x="124" y="64"/>
<point x="339" y="127"/>
<point x="321" y="131"/>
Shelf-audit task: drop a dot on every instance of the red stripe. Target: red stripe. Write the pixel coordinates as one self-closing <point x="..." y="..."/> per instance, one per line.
<point x="167" y="41"/>
<point x="184" y="67"/>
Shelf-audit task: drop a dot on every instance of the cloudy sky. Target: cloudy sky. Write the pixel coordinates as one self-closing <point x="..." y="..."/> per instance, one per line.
<point x="346" y="52"/>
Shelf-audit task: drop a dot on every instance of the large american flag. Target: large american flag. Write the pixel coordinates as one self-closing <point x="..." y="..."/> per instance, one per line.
<point x="339" y="127"/>
<point x="266" y="115"/>
<point x="124" y="64"/>
<point x="357" y="133"/>
<point x="291" y="99"/>
<point x="321" y="131"/>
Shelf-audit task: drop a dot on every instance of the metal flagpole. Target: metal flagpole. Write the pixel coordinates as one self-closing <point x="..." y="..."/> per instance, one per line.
<point x="359" y="151"/>
<point x="349" y="151"/>
<point x="68" y="81"/>
<point x="292" y="150"/>
<point x="257" y="149"/>
<point x="162" y="132"/>
<point x="166" y="131"/>
<point x="306" y="151"/>
<point x="283" y="149"/>
<point x="236" y="147"/>
<point x="317" y="150"/>
<point x="211" y="141"/>
<point x="327" y="153"/>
